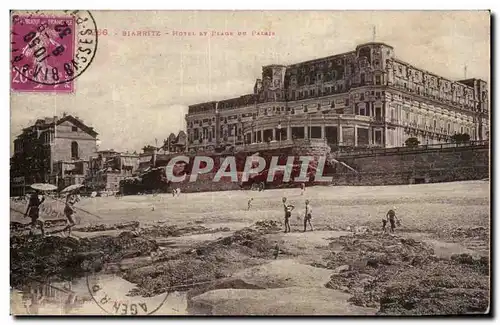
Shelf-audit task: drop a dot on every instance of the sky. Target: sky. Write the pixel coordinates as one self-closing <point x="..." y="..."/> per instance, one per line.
<point x="137" y="89"/>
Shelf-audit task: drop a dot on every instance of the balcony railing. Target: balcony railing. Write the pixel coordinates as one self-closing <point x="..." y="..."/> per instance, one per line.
<point x="377" y="119"/>
<point x="276" y="144"/>
<point x="359" y="151"/>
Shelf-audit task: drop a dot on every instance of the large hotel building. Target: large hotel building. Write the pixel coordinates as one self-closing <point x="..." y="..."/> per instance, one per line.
<point x="363" y="98"/>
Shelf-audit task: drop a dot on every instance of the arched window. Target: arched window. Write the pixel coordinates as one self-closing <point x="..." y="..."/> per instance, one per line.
<point x="74" y="150"/>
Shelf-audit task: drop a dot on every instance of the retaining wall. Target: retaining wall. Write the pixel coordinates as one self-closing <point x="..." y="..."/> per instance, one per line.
<point x="429" y="166"/>
<point x="444" y="165"/>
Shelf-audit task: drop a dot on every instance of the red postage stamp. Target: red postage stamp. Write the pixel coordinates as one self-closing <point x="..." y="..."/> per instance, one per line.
<point x="49" y="51"/>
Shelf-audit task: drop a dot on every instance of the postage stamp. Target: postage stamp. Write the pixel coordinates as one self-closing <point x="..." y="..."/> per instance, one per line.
<point x="49" y="50"/>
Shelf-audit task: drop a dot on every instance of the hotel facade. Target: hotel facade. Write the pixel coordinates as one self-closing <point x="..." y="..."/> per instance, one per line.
<point x="363" y="98"/>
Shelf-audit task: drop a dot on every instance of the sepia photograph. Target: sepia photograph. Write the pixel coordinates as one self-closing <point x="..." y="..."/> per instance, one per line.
<point x="250" y="163"/>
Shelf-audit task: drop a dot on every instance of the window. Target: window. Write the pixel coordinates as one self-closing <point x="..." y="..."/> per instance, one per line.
<point x="378" y="80"/>
<point x="362" y="111"/>
<point x="362" y="97"/>
<point x="74" y="129"/>
<point x="74" y="150"/>
<point x="378" y="137"/>
<point x="347" y="102"/>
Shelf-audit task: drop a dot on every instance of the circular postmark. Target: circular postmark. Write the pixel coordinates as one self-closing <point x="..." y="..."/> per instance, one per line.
<point x="52" y="47"/>
<point x="111" y="293"/>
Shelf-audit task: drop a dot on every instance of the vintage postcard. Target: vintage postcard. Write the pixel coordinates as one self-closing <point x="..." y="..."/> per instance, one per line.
<point x="250" y="163"/>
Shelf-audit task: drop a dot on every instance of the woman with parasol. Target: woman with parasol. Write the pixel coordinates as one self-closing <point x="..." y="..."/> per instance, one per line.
<point x="35" y="201"/>
<point x="69" y="209"/>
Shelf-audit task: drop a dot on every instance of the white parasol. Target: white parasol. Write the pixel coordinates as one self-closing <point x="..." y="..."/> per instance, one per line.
<point x="43" y="187"/>
<point x="72" y="188"/>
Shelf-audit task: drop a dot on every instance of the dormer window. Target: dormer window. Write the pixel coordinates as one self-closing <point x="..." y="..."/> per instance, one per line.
<point x="74" y="129"/>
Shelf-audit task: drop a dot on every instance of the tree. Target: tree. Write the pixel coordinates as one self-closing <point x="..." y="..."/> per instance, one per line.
<point x="412" y="142"/>
<point x="460" y="138"/>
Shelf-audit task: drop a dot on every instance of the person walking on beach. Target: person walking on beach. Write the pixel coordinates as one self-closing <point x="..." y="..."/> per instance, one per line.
<point x="391" y="217"/>
<point x="250" y="203"/>
<point x="288" y="213"/>
<point x="69" y="211"/>
<point x="308" y="216"/>
<point x="302" y="188"/>
<point x="33" y="212"/>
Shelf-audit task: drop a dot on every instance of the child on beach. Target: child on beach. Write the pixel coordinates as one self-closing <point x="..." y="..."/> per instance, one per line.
<point x="250" y="203"/>
<point x="391" y="217"/>
<point x="69" y="211"/>
<point x="288" y="213"/>
<point x="308" y="216"/>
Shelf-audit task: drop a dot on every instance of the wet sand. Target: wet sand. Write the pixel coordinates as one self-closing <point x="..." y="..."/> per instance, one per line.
<point x="210" y="237"/>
